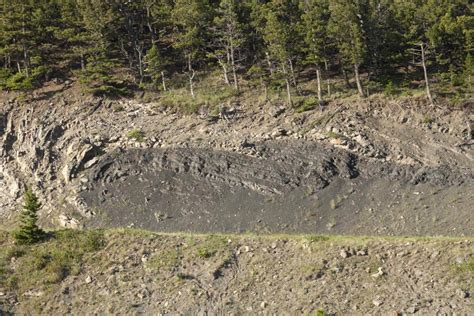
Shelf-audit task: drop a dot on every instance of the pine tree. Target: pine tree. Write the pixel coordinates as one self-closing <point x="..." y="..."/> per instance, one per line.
<point x="468" y="70"/>
<point x="155" y="66"/>
<point x="190" y="18"/>
<point x="347" y="27"/>
<point x="98" y="78"/>
<point x="314" y="28"/>
<point x="277" y="35"/>
<point x="29" y="232"/>
<point x="228" y="39"/>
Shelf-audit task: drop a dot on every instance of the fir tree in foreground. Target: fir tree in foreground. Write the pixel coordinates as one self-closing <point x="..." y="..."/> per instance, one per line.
<point x="29" y="232"/>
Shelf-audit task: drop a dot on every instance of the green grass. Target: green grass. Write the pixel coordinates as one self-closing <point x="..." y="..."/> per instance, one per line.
<point x="165" y="261"/>
<point x="137" y="135"/>
<point x="333" y="135"/>
<point x="211" y="246"/>
<point x="206" y="95"/>
<point x="46" y="263"/>
<point x="466" y="266"/>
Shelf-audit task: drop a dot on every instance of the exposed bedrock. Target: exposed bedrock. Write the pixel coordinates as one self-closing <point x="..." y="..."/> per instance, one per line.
<point x="369" y="168"/>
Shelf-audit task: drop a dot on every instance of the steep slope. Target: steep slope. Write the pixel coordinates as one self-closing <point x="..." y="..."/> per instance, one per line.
<point x="374" y="166"/>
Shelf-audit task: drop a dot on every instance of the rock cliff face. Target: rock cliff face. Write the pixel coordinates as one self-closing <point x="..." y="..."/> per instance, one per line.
<point x="367" y="167"/>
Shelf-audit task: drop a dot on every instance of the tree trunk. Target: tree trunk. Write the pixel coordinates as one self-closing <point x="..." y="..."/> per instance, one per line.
<point x="140" y="62"/>
<point x="26" y="62"/>
<point x="288" y="85"/>
<point x="427" y="81"/>
<point x="292" y="72"/>
<point x="326" y="67"/>
<point x="318" y="78"/>
<point x="225" y="72"/>
<point x="265" y="91"/>
<point x="270" y="66"/>
<point x="357" y="78"/>
<point x="163" y="81"/>
<point x="346" y="78"/>
<point x="191" y="74"/>
<point x="232" y="62"/>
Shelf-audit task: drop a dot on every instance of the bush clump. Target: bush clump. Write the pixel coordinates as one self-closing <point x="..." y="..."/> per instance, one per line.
<point x="137" y="135"/>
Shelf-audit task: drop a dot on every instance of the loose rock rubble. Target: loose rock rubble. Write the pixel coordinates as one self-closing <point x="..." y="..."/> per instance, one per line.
<point x="254" y="168"/>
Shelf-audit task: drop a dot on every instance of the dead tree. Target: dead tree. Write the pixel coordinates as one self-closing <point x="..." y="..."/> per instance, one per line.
<point x="422" y="53"/>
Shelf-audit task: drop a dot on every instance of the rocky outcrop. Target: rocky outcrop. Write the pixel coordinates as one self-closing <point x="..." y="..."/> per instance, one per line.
<point x="253" y="168"/>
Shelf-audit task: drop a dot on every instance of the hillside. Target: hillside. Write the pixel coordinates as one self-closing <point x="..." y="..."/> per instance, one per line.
<point x="207" y="157"/>
<point x="375" y="166"/>
<point x="134" y="272"/>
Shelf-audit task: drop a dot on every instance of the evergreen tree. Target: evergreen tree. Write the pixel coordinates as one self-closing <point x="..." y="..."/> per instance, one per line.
<point x="276" y="34"/>
<point x="73" y="36"/>
<point x="29" y="232"/>
<point x="155" y="66"/>
<point x="190" y="18"/>
<point x="104" y="40"/>
<point x="468" y="71"/>
<point x="228" y="39"/>
<point x="314" y="24"/>
<point x="348" y="28"/>
<point x="98" y="78"/>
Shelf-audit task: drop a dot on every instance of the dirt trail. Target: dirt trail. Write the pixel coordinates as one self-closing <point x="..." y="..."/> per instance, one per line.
<point x="372" y="167"/>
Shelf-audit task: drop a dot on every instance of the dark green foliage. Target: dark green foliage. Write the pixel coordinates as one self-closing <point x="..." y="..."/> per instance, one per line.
<point x="468" y="70"/>
<point x="114" y="45"/>
<point x="29" y="232"/>
<point x="154" y="65"/>
<point x="98" y="79"/>
<point x="390" y="88"/>
<point x="5" y="74"/>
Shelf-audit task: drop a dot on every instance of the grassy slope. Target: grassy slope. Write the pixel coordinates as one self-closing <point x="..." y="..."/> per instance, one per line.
<point x="130" y="271"/>
<point x="212" y="92"/>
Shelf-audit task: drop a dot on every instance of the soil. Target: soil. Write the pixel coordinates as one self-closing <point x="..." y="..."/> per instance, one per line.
<point x="137" y="273"/>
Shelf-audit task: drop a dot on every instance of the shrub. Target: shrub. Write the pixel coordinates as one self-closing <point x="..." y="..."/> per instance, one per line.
<point x="97" y="78"/>
<point x="137" y="135"/>
<point x="19" y="81"/>
<point x="205" y="253"/>
<point x="308" y="105"/>
<point x="428" y="120"/>
<point x="29" y="232"/>
<point x="4" y="75"/>
<point x="454" y="77"/>
<point x="390" y="88"/>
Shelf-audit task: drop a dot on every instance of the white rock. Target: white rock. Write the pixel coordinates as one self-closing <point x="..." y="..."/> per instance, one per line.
<point x="344" y="253"/>
<point x="379" y="273"/>
<point x="377" y="302"/>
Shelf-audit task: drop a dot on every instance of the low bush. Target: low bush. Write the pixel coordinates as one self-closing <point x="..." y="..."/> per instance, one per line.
<point x="137" y="135"/>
